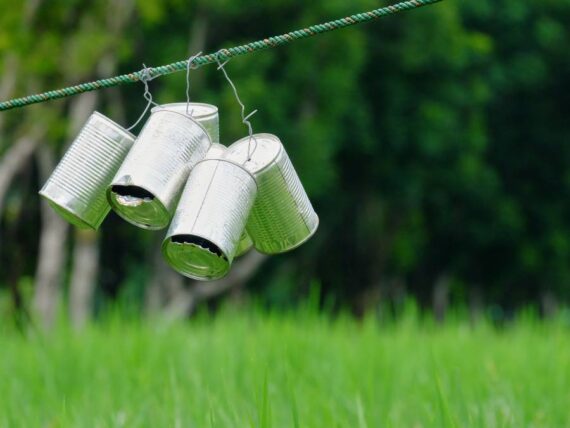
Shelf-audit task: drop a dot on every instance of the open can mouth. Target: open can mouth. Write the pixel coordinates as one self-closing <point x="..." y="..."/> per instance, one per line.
<point x="138" y="206"/>
<point x="195" y="257"/>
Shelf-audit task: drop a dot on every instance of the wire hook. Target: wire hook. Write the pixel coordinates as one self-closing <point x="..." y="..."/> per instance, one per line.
<point x="189" y="65"/>
<point x="244" y="118"/>
<point x="145" y="76"/>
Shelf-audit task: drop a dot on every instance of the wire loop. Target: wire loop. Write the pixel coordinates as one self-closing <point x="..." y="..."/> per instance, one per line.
<point x="145" y="76"/>
<point x="244" y="118"/>
<point x="190" y="65"/>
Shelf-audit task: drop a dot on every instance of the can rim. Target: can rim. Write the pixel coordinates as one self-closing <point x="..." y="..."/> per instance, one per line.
<point x="146" y="226"/>
<point x="168" y="240"/>
<point x="267" y="136"/>
<point x="213" y="108"/>
<point x="297" y="245"/>
<point x="79" y="222"/>
<point x="189" y="118"/>
<point x="114" y="124"/>
<point x="232" y="163"/>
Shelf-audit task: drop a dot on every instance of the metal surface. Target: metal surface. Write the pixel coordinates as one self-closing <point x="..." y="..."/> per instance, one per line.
<point x="282" y="217"/>
<point x="205" y="114"/>
<point x="146" y="188"/>
<point x="245" y="244"/>
<point x="203" y="237"/>
<point x="217" y="151"/>
<point x="76" y="188"/>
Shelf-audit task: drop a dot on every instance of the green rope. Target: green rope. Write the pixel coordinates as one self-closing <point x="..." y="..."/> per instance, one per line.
<point x="223" y="54"/>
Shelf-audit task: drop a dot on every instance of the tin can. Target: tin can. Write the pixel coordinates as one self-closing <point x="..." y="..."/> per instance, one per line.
<point x="218" y="151"/>
<point x="205" y="114"/>
<point x="148" y="184"/>
<point x="282" y="217"/>
<point x="76" y="188"/>
<point x="245" y="244"/>
<point x="205" y="232"/>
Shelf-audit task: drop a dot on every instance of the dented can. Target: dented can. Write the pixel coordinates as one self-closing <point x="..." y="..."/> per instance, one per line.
<point x="148" y="184"/>
<point x="282" y="217"/>
<point x="76" y="188"/>
<point x="205" y="232"/>
<point x="205" y="114"/>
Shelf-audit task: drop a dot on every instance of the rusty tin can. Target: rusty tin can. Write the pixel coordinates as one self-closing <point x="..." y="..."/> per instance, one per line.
<point x="147" y="186"/>
<point x="76" y="188"/>
<point x="282" y="217"/>
<point x="205" y="232"/>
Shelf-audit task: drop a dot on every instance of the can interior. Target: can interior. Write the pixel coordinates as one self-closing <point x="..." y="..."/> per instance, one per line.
<point x="201" y="242"/>
<point x="133" y="191"/>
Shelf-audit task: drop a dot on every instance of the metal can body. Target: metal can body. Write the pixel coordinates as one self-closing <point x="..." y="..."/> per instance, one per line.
<point x="205" y="232"/>
<point x="76" y="189"/>
<point x="147" y="186"/>
<point x="218" y="151"/>
<point x="282" y="217"/>
<point x="205" y="114"/>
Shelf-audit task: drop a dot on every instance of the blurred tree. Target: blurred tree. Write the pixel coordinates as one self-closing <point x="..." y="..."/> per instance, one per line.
<point x="433" y="144"/>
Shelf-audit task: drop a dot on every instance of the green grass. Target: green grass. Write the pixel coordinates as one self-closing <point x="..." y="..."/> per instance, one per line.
<point x="261" y="370"/>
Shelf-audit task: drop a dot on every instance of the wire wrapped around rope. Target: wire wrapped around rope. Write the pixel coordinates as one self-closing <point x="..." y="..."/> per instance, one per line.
<point x="222" y="54"/>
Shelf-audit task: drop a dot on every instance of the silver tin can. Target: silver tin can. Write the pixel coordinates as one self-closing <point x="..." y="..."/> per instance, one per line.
<point x="282" y="217"/>
<point x="245" y="244"/>
<point x="218" y="151"/>
<point x="76" y="188"/>
<point x="205" y="232"/>
<point x="206" y="114"/>
<point x="146" y="188"/>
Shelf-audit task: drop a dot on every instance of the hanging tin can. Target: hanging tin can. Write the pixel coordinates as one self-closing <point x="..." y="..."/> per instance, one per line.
<point x="146" y="188"/>
<point x="205" y="114"/>
<point x="203" y="237"/>
<point x="218" y="151"/>
<point x="76" y="188"/>
<point x="282" y="217"/>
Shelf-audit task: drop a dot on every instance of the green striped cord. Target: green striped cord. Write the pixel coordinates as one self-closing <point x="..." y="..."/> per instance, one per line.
<point x="223" y="54"/>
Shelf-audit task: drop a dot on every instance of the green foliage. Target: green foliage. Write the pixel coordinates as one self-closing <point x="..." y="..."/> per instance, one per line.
<point x="432" y="143"/>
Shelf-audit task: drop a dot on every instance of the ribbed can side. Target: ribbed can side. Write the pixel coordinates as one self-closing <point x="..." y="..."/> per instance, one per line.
<point x="76" y="188"/>
<point x="212" y="126"/>
<point x="214" y="206"/>
<point x="205" y="114"/>
<point x="282" y="217"/>
<point x="168" y="147"/>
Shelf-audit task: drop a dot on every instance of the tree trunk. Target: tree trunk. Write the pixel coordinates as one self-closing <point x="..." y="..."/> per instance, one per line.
<point x="8" y="81"/>
<point x="186" y="300"/>
<point x="164" y="285"/>
<point x="86" y="249"/>
<point x="440" y="297"/>
<point x="83" y="276"/>
<point x="85" y="256"/>
<point x="475" y="303"/>
<point x="51" y="257"/>
<point x="164" y="282"/>
<point x="15" y="159"/>
<point x="548" y="304"/>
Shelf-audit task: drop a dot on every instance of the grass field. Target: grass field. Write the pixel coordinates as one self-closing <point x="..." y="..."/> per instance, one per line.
<point x="297" y="370"/>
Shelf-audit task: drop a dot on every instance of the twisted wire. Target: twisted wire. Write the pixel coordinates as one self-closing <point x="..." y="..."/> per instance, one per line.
<point x="222" y="54"/>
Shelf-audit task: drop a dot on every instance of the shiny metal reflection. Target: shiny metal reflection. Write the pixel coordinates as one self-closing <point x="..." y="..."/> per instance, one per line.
<point x="282" y="217"/>
<point x="205" y="232"/>
<point x="76" y="188"/>
<point x="148" y="184"/>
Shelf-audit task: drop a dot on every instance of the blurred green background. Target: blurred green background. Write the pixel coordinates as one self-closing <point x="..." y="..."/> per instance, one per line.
<point x="434" y="145"/>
